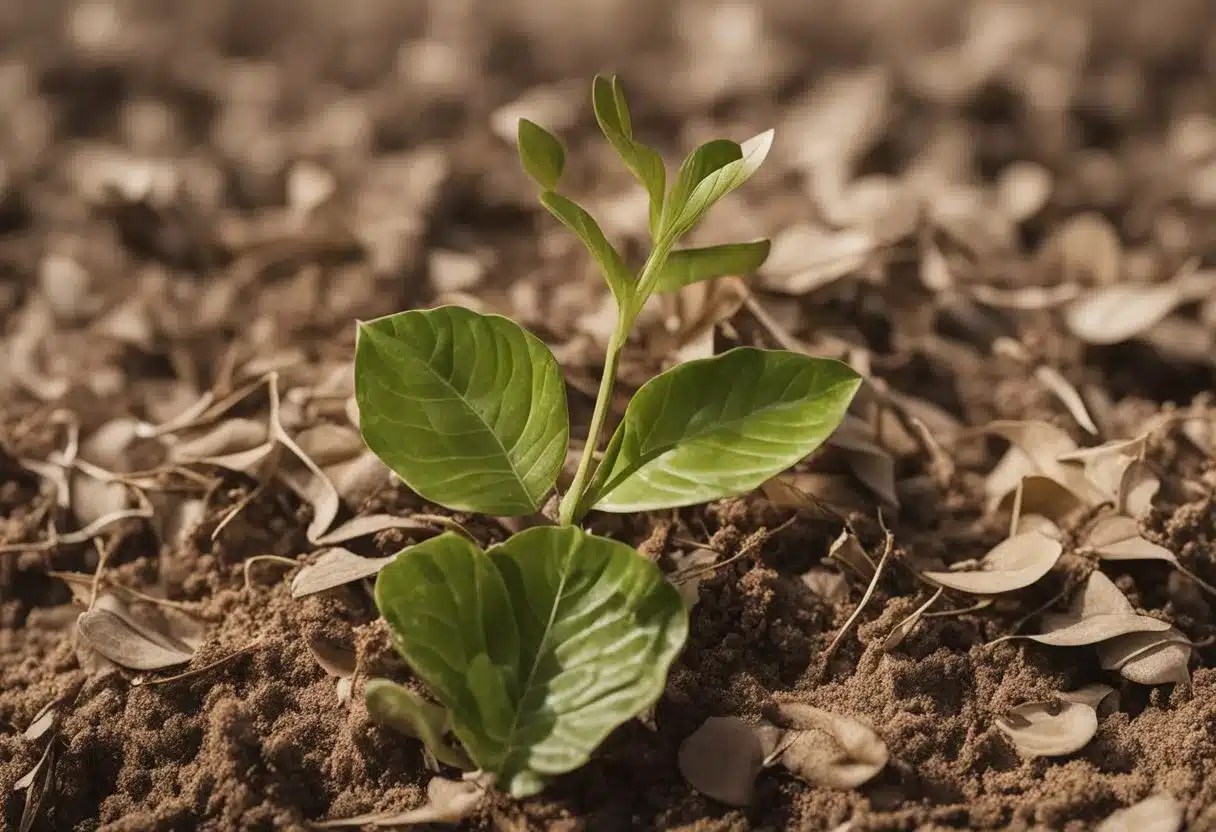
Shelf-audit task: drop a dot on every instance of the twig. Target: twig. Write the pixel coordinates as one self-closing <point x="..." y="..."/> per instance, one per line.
<point x="751" y="546"/>
<point x="198" y="670"/>
<point x="888" y="544"/>
<point x="103" y="554"/>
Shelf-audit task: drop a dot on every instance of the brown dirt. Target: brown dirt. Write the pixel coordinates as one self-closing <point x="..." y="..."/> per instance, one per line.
<point x="254" y="737"/>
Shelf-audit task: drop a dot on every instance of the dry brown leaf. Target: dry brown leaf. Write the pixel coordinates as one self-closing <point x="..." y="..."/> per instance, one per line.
<point x="827" y="749"/>
<point x="1117" y="313"/>
<point x="448" y="802"/>
<point x="869" y="461"/>
<point x="722" y="758"/>
<point x="1025" y="298"/>
<point x="691" y="569"/>
<point x="38" y="784"/>
<point x="1022" y="189"/>
<point x="369" y="524"/>
<point x="335" y="658"/>
<point x="1084" y="249"/>
<point x="230" y="437"/>
<point x="1137" y="488"/>
<point x="904" y="628"/>
<point x="1117" y="537"/>
<point x="1063" y="390"/>
<point x="1013" y="564"/>
<point x="1158" y="813"/>
<point x="1065" y="631"/>
<point x="828" y="585"/>
<point x="1037" y="523"/>
<point x="114" y="632"/>
<point x="1158" y="658"/>
<point x="1040" y="445"/>
<point x="805" y="258"/>
<point x="334" y="568"/>
<point x="847" y="550"/>
<point x="1049" y="729"/>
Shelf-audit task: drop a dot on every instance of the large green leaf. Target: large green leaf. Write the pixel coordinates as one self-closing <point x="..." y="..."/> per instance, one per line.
<point x="541" y="154"/>
<point x="468" y="409"/>
<point x="538" y="648"/>
<point x="720" y="426"/>
<point x="576" y="218"/>
<point x="716" y="184"/>
<point x="692" y="265"/>
<point x="612" y="113"/>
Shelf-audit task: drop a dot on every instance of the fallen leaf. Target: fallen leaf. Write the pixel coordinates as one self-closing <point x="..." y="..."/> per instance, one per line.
<point x="228" y="438"/>
<point x="1065" y="631"/>
<point x="1063" y="390"/>
<point x="847" y="550"/>
<point x="1117" y="313"/>
<point x="1117" y="537"/>
<point x="334" y="568"/>
<point x="1137" y="488"/>
<point x="1049" y="729"/>
<point x="1092" y="695"/>
<point x="1084" y="249"/>
<point x="827" y="749"/>
<point x="369" y="524"/>
<point x="1038" y="523"/>
<point x="869" y="461"/>
<point x="1013" y="564"/>
<point x="38" y="784"/>
<point x="336" y="659"/>
<point x="1158" y="813"/>
<point x="111" y="630"/>
<point x="722" y="758"/>
<point x="1022" y="189"/>
<point x="691" y="569"/>
<point x="1148" y="658"/>
<point x="830" y="586"/>
<point x="805" y="258"/>
<point x="905" y="627"/>
<point x="448" y="802"/>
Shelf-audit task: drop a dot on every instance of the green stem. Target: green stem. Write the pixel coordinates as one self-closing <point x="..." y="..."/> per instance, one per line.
<point x="571" y="509"/>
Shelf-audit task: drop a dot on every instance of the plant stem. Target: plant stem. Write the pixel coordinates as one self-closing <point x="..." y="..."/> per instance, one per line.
<point x="568" y="512"/>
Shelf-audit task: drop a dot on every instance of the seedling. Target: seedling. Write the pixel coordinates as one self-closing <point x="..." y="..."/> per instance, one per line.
<point x="539" y="647"/>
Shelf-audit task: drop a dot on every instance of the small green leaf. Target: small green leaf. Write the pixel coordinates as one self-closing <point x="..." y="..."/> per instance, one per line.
<point x="468" y="409"/>
<point x="720" y="426"/>
<point x="538" y="648"/>
<point x="612" y="113"/>
<point x="717" y="183"/>
<point x="541" y="153"/>
<point x="708" y="159"/>
<point x="404" y="711"/>
<point x="692" y="265"/>
<point x="574" y="217"/>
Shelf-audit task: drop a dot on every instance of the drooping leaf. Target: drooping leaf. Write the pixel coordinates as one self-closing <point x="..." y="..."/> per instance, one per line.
<point x="717" y="184"/>
<point x="722" y="758"/>
<point x="692" y="265"/>
<point x="468" y="409"/>
<point x="541" y="153"/>
<point x="575" y="217"/>
<point x="720" y="426"/>
<point x="402" y="710"/>
<point x="829" y="749"/>
<point x="612" y="113"/>
<point x="1049" y="729"/>
<point x="538" y="648"/>
<point x="1015" y="563"/>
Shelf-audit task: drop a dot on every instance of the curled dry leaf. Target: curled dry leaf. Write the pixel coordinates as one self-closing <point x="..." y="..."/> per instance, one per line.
<point x="113" y="631"/>
<point x="722" y="758"/>
<point x="847" y="550"/>
<point x="1159" y="813"/>
<point x="1148" y="658"/>
<point x="827" y="749"/>
<point x="869" y="461"/>
<point x="1117" y="537"/>
<point x="448" y="802"/>
<point x="334" y="568"/>
<point x="1037" y="448"/>
<point x="904" y="628"/>
<point x="1013" y="564"/>
<point x="1049" y="729"/>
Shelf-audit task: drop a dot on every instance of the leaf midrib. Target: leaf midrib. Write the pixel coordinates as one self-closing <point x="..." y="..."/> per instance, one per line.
<point x="460" y="396"/>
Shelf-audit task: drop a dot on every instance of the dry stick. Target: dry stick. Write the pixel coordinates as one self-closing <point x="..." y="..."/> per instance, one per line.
<point x="758" y="541"/>
<point x="273" y="558"/>
<point x="982" y="604"/>
<point x="886" y="553"/>
<point x="198" y="670"/>
<point x="103" y="554"/>
<point x="1016" y="515"/>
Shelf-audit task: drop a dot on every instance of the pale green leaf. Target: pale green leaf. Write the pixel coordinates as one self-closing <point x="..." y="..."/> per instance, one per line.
<point x="468" y="409"/>
<point x="538" y="648"/>
<point x="404" y="711"/>
<point x="541" y="153"/>
<point x="692" y="265"/>
<point x="574" y="217"/>
<point x="717" y="184"/>
<point x="720" y="426"/>
<point x="612" y="113"/>
<point x="706" y="161"/>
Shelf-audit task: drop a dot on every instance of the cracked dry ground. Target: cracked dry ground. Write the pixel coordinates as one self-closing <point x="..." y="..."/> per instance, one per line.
<point x="193" y="205"/>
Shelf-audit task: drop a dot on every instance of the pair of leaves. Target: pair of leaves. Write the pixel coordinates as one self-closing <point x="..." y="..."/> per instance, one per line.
<point x="470" y="411"/>
<point x="723" y="757"/>
<point x="537" y="648"/>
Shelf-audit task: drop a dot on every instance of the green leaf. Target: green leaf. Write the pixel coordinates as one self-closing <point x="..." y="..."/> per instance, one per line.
<point x="404" y="711"/>
<point x="718" y="183"/>
<point x="468" y="409"/>
<point x="538" y="648"/>
<point x="692" y="265"/>
<point x="541" y="153"/>
<point x="720" y="426"/>
<point x="705" y="161"/>
<point x="612" y="113"/>
<point x="574" y="217"/>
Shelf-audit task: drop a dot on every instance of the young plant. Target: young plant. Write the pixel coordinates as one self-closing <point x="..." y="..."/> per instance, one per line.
<point x="539" y="647"/>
